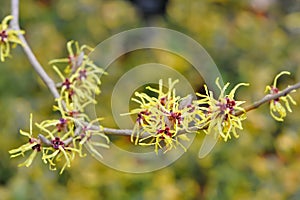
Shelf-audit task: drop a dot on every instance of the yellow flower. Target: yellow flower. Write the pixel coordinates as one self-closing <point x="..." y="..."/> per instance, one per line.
<point x="60" y="148"/>
<point x="77" y="58"/>
<point x="220" y="118"/>
<point x="33" y="145"/>
<point x="8" y="36"/>
<point x="81" y="77"/>
<point x="85" y="137"/>
<point x="277" y="110"/>
<point x="69" y="110"/>
<point x="68" y="134"/>
<point x="162" y="121"/>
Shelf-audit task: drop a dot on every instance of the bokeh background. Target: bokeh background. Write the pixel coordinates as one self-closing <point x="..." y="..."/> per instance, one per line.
<point x="250" y="41"/>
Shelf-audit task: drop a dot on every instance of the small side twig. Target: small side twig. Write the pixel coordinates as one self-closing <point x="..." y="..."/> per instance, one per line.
<point x="111" y="131"/>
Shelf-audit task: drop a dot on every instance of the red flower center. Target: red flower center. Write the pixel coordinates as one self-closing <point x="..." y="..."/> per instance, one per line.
<point x="175" y="116"/>
<point x="165" y="131"/>
<point x="56" y="142"/>
<point x="141" y="115"/>
<point x="61" y="124"/>
<point x="82" y="74"/>
<point x="67" y="83"/>
<point x="3" y="36"/>
<point x="274" y="90"/>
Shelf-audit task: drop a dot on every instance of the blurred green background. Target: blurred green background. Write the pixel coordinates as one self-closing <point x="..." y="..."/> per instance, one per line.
<point x="250" y="41"/>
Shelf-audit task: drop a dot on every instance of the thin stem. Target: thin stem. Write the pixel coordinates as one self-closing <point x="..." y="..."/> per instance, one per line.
<point x="111" y="131"/>
<point x="31" y="57"/>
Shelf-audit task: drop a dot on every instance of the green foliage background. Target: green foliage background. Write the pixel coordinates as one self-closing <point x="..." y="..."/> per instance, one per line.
<point x="248" y="43"/>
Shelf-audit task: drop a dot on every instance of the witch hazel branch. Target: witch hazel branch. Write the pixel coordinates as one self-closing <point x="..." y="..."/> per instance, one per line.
<point x="163" y="121"/>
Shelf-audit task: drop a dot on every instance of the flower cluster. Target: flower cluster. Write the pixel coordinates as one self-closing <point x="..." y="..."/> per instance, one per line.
<point x="8" y="36"/>
<point x="63" y="138"/>
<point x="221" y="117"/>
<point x="80" y="79"/>
<point x="162" y="121"/>
<point x="277" y="110"/>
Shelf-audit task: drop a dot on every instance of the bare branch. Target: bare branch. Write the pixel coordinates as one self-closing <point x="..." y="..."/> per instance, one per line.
<point x="31" y="57"/>
<point x="111" y="131"/>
